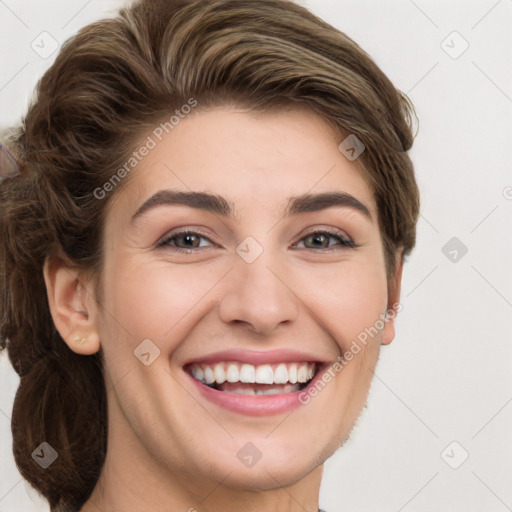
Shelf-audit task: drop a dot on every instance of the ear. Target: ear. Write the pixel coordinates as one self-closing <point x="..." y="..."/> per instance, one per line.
<point x="394" y="306"/>
<point x="72" y="305"/>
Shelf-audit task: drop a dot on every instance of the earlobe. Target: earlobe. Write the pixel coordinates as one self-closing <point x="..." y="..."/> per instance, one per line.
<point x="394" y="306"/>
<point x="72" y="306"/>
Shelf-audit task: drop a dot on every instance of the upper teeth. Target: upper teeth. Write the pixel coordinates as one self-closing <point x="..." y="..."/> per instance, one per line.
<point x="281" y="373"/>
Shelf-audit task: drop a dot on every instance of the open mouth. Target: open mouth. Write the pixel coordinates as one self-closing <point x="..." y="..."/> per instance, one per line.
<point x="248" y="379"/>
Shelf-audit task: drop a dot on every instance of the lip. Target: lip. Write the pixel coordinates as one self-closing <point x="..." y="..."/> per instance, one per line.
<point x="256" y="357"/>
<point x="255" y="405"/>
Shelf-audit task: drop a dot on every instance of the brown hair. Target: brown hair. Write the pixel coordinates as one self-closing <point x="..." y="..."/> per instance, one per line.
<point x="109" y="85"/>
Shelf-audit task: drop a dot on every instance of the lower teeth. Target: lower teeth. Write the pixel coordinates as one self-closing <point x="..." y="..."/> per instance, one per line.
<point x="260" y="390"/>
<point x="270" y="391"/>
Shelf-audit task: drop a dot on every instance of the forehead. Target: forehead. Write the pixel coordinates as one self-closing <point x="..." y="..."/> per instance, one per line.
<point x="250" y="158"/>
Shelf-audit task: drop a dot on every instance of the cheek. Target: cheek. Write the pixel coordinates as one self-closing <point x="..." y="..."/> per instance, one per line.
<point x="149" y="299"/>
<point x="347" y="298"/>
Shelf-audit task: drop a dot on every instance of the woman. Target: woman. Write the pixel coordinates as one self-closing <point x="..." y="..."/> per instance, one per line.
<point x="203" y="253"/>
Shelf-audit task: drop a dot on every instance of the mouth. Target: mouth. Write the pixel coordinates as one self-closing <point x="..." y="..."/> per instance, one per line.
<point x="254" y="380"/>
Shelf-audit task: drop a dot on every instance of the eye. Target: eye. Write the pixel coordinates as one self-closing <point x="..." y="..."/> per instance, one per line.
<point x="321" y="239"/>
<point x="190" y="241"/>
<point x="185" y="241"/>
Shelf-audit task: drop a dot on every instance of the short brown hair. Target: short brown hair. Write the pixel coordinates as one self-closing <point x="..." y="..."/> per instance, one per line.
<point x="109" y="85"/>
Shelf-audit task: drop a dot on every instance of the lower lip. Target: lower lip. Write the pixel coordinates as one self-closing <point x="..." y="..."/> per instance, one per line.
<point x="254" y="405"/>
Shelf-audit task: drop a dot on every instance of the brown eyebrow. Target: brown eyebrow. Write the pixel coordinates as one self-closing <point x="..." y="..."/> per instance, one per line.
<point x="316" y="202"/>
<point x="200" y="200"/>
<point x="217" y="204"/>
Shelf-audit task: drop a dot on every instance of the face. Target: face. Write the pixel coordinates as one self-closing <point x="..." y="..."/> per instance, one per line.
<point x="241" y="261"/>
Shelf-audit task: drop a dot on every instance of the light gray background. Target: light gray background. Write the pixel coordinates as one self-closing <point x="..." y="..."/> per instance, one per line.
<point x="447" y="376"/>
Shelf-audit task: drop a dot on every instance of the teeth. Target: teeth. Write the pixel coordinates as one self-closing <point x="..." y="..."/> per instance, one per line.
<point x="197" y="372"/>
<point x="264" y="374"/>
<point x="281" y="374"/>
<point x="248" y="391"/>
<point x="302" y="374"/>
<point x="209" y="376"/>
<point x="232" y="372"/>
<point x="292" y="373"/>
<point x="268" y="391"/>
<point x="247" y="373"/>
<point x="220" y="374"/>
<point x="259" y="392"/>
<point x="232" y="375"/>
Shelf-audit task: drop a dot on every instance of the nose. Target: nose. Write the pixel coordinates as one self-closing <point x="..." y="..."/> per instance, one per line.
<point x="260" y="296"/>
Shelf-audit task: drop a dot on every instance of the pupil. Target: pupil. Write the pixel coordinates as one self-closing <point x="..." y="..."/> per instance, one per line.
<point x="190" y="240"/>
<point x="320" y="239"/>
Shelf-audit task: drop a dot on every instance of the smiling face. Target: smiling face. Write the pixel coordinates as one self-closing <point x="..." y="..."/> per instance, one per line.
<point x="263" y="277"/>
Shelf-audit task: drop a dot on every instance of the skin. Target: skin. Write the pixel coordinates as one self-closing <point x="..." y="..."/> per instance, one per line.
<point x="168" y="447"/>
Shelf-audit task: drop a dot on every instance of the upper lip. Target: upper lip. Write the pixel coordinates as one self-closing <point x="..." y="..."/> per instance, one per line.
<point x="256" y="357"/>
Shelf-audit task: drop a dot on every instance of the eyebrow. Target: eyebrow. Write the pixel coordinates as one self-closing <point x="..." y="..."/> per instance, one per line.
<point x="216" y="204"/>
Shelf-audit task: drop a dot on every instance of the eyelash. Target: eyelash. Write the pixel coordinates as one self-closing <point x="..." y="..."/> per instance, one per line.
<point x="344" y="241"/>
